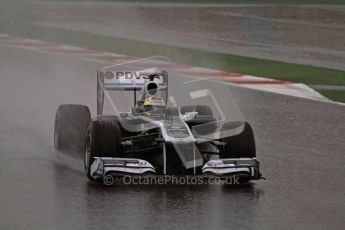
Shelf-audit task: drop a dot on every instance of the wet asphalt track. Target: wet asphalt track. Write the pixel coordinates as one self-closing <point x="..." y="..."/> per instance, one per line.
<point x="300" y="145"/>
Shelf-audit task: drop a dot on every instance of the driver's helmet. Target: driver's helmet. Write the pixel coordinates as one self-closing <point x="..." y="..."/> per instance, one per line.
<point x="153" y="104"/>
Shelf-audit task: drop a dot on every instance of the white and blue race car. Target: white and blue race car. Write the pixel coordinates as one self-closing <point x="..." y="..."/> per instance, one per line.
<point x="190" y="126"/>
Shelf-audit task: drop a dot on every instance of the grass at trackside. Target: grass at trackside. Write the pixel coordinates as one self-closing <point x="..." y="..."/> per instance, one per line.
<point x="227" y="62"/>
<point x="335" y="95"/>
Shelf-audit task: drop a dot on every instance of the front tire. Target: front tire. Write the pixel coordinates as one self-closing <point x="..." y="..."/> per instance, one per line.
<point x="103" y="140"/>
<point x="241" y="145"/>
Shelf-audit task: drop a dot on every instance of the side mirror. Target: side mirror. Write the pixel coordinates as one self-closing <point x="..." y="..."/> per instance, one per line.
<point x="189" y="116"/>
<point x="123" y="115"/>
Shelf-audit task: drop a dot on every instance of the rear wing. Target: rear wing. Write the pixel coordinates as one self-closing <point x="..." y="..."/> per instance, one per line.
<point x="128" y="80"/>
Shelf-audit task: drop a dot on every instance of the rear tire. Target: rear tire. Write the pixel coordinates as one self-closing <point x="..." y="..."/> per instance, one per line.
<point x="241" y="145"/>
<point x="71" y="123"/>
<point x="104" y="140"/>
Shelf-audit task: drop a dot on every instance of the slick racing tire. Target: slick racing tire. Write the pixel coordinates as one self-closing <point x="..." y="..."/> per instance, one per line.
<point x="205" y="116"/>
<point x="241" y="145"/>
<point x="71" y="123"/>
<point x="103" y="140"/>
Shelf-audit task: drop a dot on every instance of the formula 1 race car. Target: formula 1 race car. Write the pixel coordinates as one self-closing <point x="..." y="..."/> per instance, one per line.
<point x="190" y="126"/>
